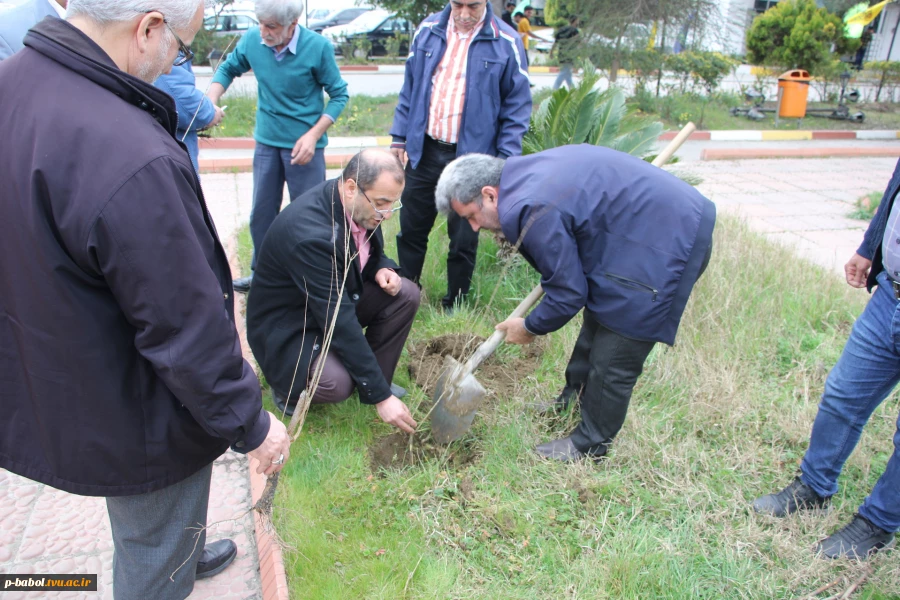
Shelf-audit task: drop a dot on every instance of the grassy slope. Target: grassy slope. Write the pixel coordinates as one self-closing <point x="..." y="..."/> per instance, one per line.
<point x="716" y="421"/>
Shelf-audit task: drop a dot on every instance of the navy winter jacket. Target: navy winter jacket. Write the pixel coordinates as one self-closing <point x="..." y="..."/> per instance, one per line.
<point x="609" y="233"/>
<point x="497" y="106"/>
<point x="871" y="245"/>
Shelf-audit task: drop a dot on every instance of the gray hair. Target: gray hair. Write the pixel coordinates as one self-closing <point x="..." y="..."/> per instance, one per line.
<point x="463" y="179"/>
<point x="284" y="12"/>
<point x="367" y="166"/>
<point x="178" y="13"/>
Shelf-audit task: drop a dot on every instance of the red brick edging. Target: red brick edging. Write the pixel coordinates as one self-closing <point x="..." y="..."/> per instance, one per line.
<point x="271" y="562"/>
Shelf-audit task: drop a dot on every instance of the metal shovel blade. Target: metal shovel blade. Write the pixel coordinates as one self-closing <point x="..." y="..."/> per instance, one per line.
<point x="457" y="396"/>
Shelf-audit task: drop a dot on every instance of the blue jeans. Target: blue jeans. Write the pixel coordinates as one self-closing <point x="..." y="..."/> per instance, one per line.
<point x="271" y="169"/>
<point x="565" y="74"/>
<point x="864" y="376"/>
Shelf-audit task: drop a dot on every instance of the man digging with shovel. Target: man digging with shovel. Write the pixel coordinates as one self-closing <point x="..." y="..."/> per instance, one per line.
<point x="609" y="233"/>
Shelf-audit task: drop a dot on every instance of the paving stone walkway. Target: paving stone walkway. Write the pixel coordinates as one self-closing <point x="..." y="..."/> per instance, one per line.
<point x="801" y="203"/>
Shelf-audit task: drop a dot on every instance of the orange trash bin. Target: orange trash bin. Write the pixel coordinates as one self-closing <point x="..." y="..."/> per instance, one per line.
<point x="793" y="89"/>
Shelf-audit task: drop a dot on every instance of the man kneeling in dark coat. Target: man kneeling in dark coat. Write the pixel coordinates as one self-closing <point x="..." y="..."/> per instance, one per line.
<point x="609" y="233"/>
<point x="322" y="265"/>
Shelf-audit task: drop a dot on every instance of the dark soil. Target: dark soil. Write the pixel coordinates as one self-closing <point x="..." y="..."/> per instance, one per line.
<point x="394" y="451"/>
<point x="499" y="376"/>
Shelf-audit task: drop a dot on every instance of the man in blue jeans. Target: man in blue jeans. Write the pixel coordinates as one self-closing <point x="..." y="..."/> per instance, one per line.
<point x="864" y="376"/>
<point x="293" y="66"/>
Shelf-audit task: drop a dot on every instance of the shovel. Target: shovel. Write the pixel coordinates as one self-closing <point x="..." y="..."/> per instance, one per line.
<point x="458" y="394"/>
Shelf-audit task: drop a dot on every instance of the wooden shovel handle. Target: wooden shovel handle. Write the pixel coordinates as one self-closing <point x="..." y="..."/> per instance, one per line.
<point x="663" y="157"/>
<point x="491" y="344"/>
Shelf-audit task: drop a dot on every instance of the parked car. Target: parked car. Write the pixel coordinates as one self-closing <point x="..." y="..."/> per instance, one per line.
<point x="377" y="26"/>
<point x="338" y="17"/>
<point x="231" y="21"/>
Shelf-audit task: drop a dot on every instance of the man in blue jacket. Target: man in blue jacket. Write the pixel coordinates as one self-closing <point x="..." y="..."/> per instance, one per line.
<point x="16" y="22"/>
<point x="866" y="374"/>
<point x="466" y="89"/>
<point x="196" y="112"/>
<point x="609" y="233"/>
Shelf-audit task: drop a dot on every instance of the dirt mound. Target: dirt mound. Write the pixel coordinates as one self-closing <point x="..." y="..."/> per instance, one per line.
<point x="394" y="451"/>
<point x="498" y="375"/>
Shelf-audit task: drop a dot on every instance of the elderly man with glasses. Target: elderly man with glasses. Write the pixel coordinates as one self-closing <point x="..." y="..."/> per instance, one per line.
<point x="322" y="272"/>
<point x="293" y="66"/>
<point x="121" y="365"/>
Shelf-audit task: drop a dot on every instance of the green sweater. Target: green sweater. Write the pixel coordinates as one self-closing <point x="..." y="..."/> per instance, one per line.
<point x="290" y="99"/>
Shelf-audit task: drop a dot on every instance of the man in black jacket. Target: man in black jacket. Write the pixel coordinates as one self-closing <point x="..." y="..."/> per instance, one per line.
<point x="322" y="266"/>
<point x="120" y="365"/>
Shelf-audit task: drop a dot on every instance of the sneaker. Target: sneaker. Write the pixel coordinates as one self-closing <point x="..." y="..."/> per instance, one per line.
<point x="795" y="497"/>
<point x="856" y="540"/>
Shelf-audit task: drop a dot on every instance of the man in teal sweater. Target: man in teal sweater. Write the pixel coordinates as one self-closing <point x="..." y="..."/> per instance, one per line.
<point x="293" y="66"/>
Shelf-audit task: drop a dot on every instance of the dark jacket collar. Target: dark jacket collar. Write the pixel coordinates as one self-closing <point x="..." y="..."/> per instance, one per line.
<point x="64" y="43"/>
<point x="489" y="29"/>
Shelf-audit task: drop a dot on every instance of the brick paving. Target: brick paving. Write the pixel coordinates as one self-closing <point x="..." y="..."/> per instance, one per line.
<point x="801" y="203"/>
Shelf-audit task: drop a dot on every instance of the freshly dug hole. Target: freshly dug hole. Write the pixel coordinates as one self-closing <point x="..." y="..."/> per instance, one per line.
<point x="501" y="378"/>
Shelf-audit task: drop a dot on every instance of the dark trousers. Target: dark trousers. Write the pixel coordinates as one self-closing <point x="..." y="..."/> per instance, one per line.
<point x="602" y="372"/>
<point x="417" y="219"/>
<point x="387" y="320"/>
<point x="156" y="533"/>
<point x="271" y="169"/>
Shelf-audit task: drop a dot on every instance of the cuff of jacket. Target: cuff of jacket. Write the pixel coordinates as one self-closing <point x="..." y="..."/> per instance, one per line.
<point x="369" y="394"/>
<point x="525" y="325"/>
<point x="255" y="436"/>
<point x="863" y="251"/>
<point x="531" y="328"/>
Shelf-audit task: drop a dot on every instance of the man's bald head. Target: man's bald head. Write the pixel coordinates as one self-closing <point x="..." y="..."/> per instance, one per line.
<point x="367" y="166"/>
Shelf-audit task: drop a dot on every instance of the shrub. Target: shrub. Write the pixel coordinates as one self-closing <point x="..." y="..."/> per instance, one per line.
<point x="797" y="34"/>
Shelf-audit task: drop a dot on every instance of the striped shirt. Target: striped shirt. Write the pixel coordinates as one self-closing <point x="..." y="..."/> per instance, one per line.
<point x="448" y="85"/>
<point x="890" y="244"/>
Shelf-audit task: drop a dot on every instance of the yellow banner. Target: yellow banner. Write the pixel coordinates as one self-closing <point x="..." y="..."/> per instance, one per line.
<point x="868" y="15"/>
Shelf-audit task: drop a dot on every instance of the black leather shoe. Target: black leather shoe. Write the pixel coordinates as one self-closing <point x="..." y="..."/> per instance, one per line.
<point x="795" y="497"/>
<point x="562" y="450"/>
<point x="398" y="391"/>
<point x="215" y="557"/>
<point x="857" y="540"/>
<point x="242" y="285"/>
<point x="281" y="404"/>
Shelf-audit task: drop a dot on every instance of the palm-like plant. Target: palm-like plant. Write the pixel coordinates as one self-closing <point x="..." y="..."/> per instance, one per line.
<point x="584" y="115"/>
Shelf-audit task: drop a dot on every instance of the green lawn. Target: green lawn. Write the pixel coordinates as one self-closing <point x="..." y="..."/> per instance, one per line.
<point x="716" y="421"/>
<point x="363" y="115"/>
<point x="372" y="115"/>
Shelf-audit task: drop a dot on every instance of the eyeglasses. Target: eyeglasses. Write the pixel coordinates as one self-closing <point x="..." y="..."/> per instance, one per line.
<point x="185" y="54"/>
<point x="386" y="212"/>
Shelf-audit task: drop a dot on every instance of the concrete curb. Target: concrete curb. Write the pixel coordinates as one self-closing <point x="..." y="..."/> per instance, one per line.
<point x="272" y="575"/>
<point x="245" y="164"/>
<point x="737" y="135"/>
<point x="748" y="153"/>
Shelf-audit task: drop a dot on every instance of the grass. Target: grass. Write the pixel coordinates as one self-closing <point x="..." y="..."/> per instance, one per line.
<point x="373" y="115"/>
<point x="714" y="114"/>
<point x="363" y="115"/>
<point x="716" y="421"/>
<point x="866" y="206"/>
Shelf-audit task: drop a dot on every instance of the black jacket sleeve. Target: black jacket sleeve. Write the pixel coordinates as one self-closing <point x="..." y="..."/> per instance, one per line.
<point x="317" y="268"/>
<point x="145" y="243"/>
